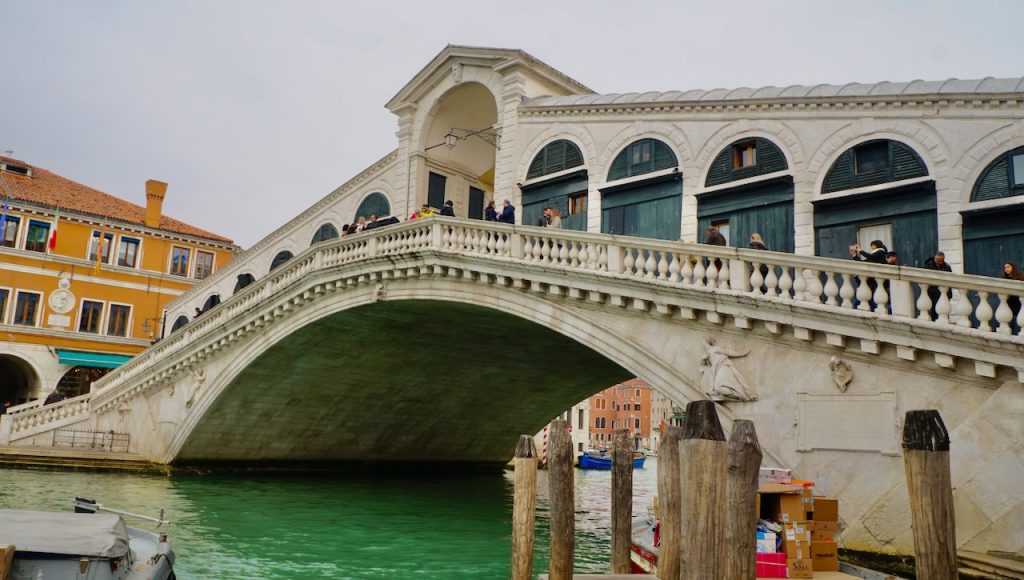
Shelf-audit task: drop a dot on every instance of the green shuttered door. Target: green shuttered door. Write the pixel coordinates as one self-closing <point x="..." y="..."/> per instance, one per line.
<point x="765" y="208"/>
<point x="651" y="209"/>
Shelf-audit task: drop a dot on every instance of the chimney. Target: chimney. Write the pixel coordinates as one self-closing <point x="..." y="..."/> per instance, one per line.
<point x="155" y="191"/>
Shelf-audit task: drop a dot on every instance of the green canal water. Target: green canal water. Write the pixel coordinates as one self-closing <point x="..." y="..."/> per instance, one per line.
<point x="419" y="527"/>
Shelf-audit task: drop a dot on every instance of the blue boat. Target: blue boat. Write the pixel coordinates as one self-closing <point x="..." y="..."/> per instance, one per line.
<point x="604" y="461"/>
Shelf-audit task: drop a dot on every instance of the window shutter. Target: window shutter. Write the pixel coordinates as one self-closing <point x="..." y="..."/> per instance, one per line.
<point x="840" y="177"/>
<point x="555" y="156"/>
<point x="905" y="163"/>
<point x="995" y="182"/>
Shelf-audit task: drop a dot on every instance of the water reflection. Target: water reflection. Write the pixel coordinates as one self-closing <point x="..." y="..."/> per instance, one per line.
<point x="336" y="527"/>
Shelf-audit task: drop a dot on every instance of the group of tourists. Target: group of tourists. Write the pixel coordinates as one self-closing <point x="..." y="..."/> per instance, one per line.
<point x="362" y="224"/>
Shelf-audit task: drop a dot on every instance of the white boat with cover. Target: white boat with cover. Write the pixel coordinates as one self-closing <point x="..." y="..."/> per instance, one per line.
<point x="84" y="546"/>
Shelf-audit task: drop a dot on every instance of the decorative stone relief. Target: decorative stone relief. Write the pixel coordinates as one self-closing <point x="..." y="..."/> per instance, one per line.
<point x="842" y="374"/>
<point x="457" y="72"/>
<point x="62" y="300"/>
<point x="720" y="378"/>
<point x="199" y="376"/>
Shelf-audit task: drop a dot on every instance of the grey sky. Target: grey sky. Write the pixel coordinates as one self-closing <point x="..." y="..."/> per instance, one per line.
<point x="252" y="111"/>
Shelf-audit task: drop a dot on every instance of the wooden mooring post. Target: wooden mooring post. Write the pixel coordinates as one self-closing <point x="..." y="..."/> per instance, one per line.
<point x="622" y="501"/>
<point x="704" y="456"/>
<point x="926" y="459"/>
<point x="563" y="504"/>
<point x="669" y="503"/>
<point x="524" y="507"/>
<point x="741" y="502"/>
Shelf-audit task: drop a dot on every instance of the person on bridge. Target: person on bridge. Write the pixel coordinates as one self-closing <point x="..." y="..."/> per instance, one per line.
<point x="875" y="256"/>
<point x="757" y="242"/>
<point x="490" y="214"/>
<point x="938" y="262"/>
<point x="892" y="258"/>
<point x="54" y="397"/>
<point x="360" y="224"/>
<point x="448" y="209"/>
<point x="1012" y="272"/>
<point x="555" y="219"/>
<point x="715" y="237"/>
<point x="545" y="218"/>
<point x="508" y="213"/>
<point x="372" y="223"/>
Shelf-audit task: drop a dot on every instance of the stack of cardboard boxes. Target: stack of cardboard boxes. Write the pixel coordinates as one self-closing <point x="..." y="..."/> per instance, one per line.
<point x="809" y="524"/>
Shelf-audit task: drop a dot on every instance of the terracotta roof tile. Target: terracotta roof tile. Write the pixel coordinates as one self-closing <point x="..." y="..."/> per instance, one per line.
<point x="46" y="188"/>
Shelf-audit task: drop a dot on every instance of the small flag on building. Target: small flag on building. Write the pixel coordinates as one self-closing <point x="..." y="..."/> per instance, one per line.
<point x="99" y="250"/>
<point x="3" y="220"/>
<point x="53" y="232"/>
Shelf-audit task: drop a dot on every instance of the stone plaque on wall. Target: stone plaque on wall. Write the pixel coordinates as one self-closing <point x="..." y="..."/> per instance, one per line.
<point x="848" y="422"/>
<point x="58" y="321"/>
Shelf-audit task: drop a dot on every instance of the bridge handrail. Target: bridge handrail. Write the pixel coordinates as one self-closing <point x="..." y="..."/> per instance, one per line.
<point x="44" y="414"/>
<point x="899" y="292"/>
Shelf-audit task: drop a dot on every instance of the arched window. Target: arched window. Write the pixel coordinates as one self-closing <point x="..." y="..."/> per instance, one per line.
<point x="280" y="258"/>
<point x="179" y="322"/>
<point x="554" y="157"/>
<point x="745" y="158"/>
<point x="243" y="281"/>
<point x="872" y="163"/>
<point x="78" y="380"/>
<point x="643" y="156"/>
<point x="324" y="233"/>
<point x="1004" y="177"/>
<point x="211" y="302"/>
<point x="375" y="203"/>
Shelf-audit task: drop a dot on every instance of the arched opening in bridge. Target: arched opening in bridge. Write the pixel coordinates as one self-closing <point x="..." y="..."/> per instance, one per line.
<point x="78" y="380"/>
<point x="280" y="259"/>
<point x="460" y="143"/>
<point x="994" y="235"/>
<point x="902" y="214"/>
<point x="243" y="281"/>
<point x="557" y="178"/>
<point x="404" y="380"/>
<point x="18" y="382"/>
<point x="649" y="207"/>
<point x="764" y="206"/>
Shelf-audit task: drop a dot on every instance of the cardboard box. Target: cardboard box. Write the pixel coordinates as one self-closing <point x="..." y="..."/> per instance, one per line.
<point x="782" y="507"/>
<point x="825" y="556"/>
<point x="766" y="542"/>
<point x="800" y="568"/>
<point x="826" y="509"/>
<point x="776" y="558"/>
<point x="824" y="531"/>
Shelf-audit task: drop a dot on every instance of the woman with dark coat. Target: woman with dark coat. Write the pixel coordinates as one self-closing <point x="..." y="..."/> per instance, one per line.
<point x="757" y="242"/>
<point x="875" y="256"/>
<point x="490" y="214"/>
<point x="1012" y="272"/>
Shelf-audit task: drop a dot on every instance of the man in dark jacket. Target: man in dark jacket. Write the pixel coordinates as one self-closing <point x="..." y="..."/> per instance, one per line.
<point x="508" y="213"/>
<point x="938" y="262"/>
<point x="715" y="237"/>
<point x="448" y="209"/>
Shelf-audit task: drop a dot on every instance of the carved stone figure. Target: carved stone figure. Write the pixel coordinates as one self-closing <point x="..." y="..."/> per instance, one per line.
<point x="720" y="379"/>
<point x="842" y="374"/>
<point x="457" y="72"/>
<point x="199" y="376"/>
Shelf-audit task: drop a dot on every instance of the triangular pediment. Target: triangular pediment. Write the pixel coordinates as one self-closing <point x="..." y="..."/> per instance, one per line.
<point x="503" y="60"/>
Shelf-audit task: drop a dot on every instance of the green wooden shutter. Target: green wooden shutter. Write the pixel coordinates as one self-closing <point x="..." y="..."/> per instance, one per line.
<point x="840" y="176"/>
<point x="905" y="163"/>
<point x="661" y="157"/>
<point x="769" y="160"/>
<point x="995" y="182"/>
<point x="555" y="156"/>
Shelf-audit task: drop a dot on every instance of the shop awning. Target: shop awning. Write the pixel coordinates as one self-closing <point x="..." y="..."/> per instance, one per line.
<point x="91" y="359"/>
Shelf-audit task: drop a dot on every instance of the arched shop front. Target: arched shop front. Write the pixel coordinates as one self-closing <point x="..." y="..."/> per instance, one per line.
<point x="994" y="234"/>
<point x="557" y="178"/>
<point x="650" y="205"/>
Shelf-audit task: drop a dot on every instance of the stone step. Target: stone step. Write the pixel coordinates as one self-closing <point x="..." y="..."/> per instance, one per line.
<point x="60" y="457"/>
<point x="977" y="565"/>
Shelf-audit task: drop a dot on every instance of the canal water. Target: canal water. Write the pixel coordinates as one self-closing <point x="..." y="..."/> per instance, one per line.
<point x="419" y="527"/>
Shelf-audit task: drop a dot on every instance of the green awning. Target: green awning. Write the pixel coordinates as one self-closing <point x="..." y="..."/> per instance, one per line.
<point x="91" y="359"/>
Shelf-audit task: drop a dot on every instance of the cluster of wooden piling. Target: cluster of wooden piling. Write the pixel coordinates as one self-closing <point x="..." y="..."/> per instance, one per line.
<point x="707" y="499"/>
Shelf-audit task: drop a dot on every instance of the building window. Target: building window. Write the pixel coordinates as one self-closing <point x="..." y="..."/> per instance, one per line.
<point x="38" y="235"/>
<point x="638" y="393"/>
<point x="636" y="424"/>
<point x="613" y="424"/>
<point x="580" y="447"/>
<point x="94" y="243"/>
<point x="89" y="321"/>
<point x="1017" y="161"/>
<point x="10" y="233"/>
<point x="599" y="423"/>
<point x="4" y="293"/>
<point x="641" y="153"/>
<point x="579" y="419"/>
<point x="25" y="308"/>
<point x="636" y="407"/>
<point x="744" y="154"/>
<point x="578" y="203"/>
<point x="871" y="157"/>
<point x="204" y="265"/>
<point x="127" y="252"/>
<point x="179" y="261"/>
<point x="117" y="324"/>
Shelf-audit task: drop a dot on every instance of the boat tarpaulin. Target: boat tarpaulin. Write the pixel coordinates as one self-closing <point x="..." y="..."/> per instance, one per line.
<point x="96" y="535"/>
<point x="91" y="359"/>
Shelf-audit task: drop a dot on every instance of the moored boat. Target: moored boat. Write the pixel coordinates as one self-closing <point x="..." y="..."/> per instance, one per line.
<point x="590" y="460"/>
<point x="87" y="546"/>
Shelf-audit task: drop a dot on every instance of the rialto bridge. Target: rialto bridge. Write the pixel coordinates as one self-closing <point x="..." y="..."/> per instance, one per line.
<point x="442" y="339"/>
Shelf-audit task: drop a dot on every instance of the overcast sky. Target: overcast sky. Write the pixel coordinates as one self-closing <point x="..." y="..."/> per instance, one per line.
<point x="253" y="110"/>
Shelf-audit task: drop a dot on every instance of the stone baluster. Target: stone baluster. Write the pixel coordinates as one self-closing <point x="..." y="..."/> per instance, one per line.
<point x="924" y="303"/>
<point x="847" y="291"/>
<point x="602" y="257"/>
<point x="593" y="256"/>
<point x="983" y="312"/>
<point x="686" y="270"/>
<point x="699" y="271"/>
<point x="1004" y="315"/>
<point x="786" y="284"/>
<point x="545" y="250"/>
<point x="943" y="307"/>
<point x="831" y="289"/>
<point x="492" y="243"/>
<point x="563" y="254"/>
<point x="756" y="279"/>
<point x="881" y="298"/>
<point x="1020" y="318"/>
<point x="711" y="273"/>
<point x="814" y="288"/>
<point x="771" y="282"/>
<point x="650" y="266"/>
<point x="574" y="254"/>
<point x="584" y="256"/>
<point x="723" y="275"/>
<point x="628" y="262"/>
<point x="528" y="247"/>
<point x="674" y="268"/>
<point x="501" y="246"/>
<point x="864" y="294"/>
<point x="446" y="237"/>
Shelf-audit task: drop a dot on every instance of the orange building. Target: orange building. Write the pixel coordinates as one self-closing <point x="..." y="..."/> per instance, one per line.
<point x="84" y="277"/>
<point x="625" y="405"/>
